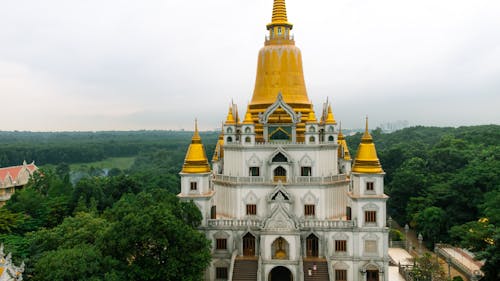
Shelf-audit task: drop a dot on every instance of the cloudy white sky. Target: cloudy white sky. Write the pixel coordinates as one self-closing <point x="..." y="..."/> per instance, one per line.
<point x="158" y="64"/>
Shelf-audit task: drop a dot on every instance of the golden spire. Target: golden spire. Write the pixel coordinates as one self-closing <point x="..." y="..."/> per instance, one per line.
<point x="312" y="117"/>
<point x="230" y="118"/>
<point x="196" y="160"/>
<point x="343" y="151"/>
<point x="279" y="70"/>
<point x="329" y="118"/>
<point x="248" y="117"/>
<point x="219" y="151"/>
<point x="279" y="15"/>
<point x="366" y="160"/>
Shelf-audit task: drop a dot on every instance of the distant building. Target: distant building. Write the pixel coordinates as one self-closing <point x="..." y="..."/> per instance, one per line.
<point x="12" y="178"/>
<point x="8" y="271"/>
<point x="281" y="200"/>
<point x="390" y="127"/>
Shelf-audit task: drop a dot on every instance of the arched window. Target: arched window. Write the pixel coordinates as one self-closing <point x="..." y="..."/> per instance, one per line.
<point x="280" y="174"/>
<point x="248" y="139"/>
<point x="330" y="138"/>
<point x="280" y="158"/>
<point x="248" y="130"/>
<point x="330" y="129"/>
<point x="312" y="129"/>
<point x="229" y="130"/>
<point x="312" y="139"/>
<point x="229" y="139"/>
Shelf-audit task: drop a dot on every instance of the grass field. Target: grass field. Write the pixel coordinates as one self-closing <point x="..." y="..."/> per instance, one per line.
<point x="121" y="163"/>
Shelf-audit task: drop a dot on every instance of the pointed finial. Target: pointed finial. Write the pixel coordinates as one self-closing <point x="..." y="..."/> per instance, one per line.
<point x="196" y="135"/>
<point x="279" y="15"/>
<point x="366" y="128"/>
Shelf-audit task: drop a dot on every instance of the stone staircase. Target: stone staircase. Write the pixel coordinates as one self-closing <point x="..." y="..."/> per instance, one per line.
<point x="245" y="269"/>
<point x="321" y="272"/>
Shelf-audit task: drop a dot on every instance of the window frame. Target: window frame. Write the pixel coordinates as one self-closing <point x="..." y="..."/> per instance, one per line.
<point x="193" y="186"/>
<point x="370" y="217"/>
<point x="340" y="274"/>
<point x="341" y="246"/>
<point x="251" y="171"/>
<point x="221" y="273"/>
<point x="305" y="171"/>
<point x="221" y="244"/>
<point x="251" y="209"/>
<point x="309" y="210"/>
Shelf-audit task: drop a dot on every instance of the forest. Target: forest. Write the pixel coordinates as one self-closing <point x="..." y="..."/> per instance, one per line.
<point x="443" y="182"/>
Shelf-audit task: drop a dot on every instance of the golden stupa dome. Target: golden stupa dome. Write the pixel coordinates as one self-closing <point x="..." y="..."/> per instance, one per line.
<point x="366" y="160"/>
<point x="279" y="70"/>
<point x="196" y="159"/>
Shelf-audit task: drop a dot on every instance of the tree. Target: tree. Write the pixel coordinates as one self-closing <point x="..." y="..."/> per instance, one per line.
<point x="153" y="234"/>
<point x="427" y="268"/>
<point x="82" y="262"/>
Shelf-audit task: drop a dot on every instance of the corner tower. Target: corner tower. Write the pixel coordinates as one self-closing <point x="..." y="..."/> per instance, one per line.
<point x="195" y="177"/>
<point x="279" y="70"/>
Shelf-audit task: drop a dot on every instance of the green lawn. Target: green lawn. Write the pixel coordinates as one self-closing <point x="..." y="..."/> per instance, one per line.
<point x="121" y="163"/>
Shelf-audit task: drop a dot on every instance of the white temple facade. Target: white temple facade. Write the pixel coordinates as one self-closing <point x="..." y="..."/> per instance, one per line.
<point x="283" y="200"/>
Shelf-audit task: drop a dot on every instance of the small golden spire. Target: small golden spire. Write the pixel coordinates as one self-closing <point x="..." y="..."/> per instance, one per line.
<point x="366" y="160"/>
<point x="329" y="118"/>
<point x="312" y="117"/>
<point x="230" y="117"/>
<point x="343" y="151"/>
<point x="219" y="151"/>
<point x="248" y="117"/>
<point x="196" y="159"/>
<point x="279" y="15"/>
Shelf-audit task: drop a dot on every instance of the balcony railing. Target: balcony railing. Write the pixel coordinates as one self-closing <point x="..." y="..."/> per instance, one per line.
<point x="325" y="224"/>
<point x="239" y="223"/>
<point x="289" y="180"/>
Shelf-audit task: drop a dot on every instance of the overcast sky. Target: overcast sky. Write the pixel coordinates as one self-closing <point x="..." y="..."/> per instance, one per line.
<point x="159" y="64"/>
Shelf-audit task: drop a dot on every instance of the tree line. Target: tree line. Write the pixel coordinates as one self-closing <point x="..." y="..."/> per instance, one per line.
<point x="445" y="183"/>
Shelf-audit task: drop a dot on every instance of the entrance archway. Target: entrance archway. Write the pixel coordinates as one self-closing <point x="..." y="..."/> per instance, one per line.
<point x="312" y="246"/>
<point x="248" y="245"/>
<point x="280" y="273"/>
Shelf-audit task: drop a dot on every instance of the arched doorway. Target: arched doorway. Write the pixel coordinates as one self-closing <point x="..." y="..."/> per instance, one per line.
<point x="280" y="273"/>
<point x="248" y="245"/>
<point x="372" y="275"/>
<point x="280" y="174"/>
<point x="312" y="246"/>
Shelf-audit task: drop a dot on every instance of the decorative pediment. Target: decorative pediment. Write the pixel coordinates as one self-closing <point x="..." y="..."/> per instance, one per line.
<point x="254" y="161"/>
<point x="340" y="265"/>
<point x="370" y="206"/>
<point x="221" y="235"/>
<point x="280" y="219"/>
<point x="250" y="198"/>
<point x="310" y="199"/>
<point x="276" y="156"/>
<point x="306" y="161"/>
<point x="340" y="236"/>
<point x="280" y="194"/>
<point x="279" y="103"/>
<point x="370" y="236"/>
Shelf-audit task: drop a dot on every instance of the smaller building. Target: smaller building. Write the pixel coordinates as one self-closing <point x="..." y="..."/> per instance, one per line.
<point x="15" y="177"/>
<point x="8" y="271"/>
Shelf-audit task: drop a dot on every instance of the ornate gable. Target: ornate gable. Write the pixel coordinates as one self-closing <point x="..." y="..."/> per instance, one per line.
<point x="279" y="103"/>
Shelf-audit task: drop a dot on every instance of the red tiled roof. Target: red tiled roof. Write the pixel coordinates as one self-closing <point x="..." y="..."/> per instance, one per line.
<point x="14" y="171"/>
